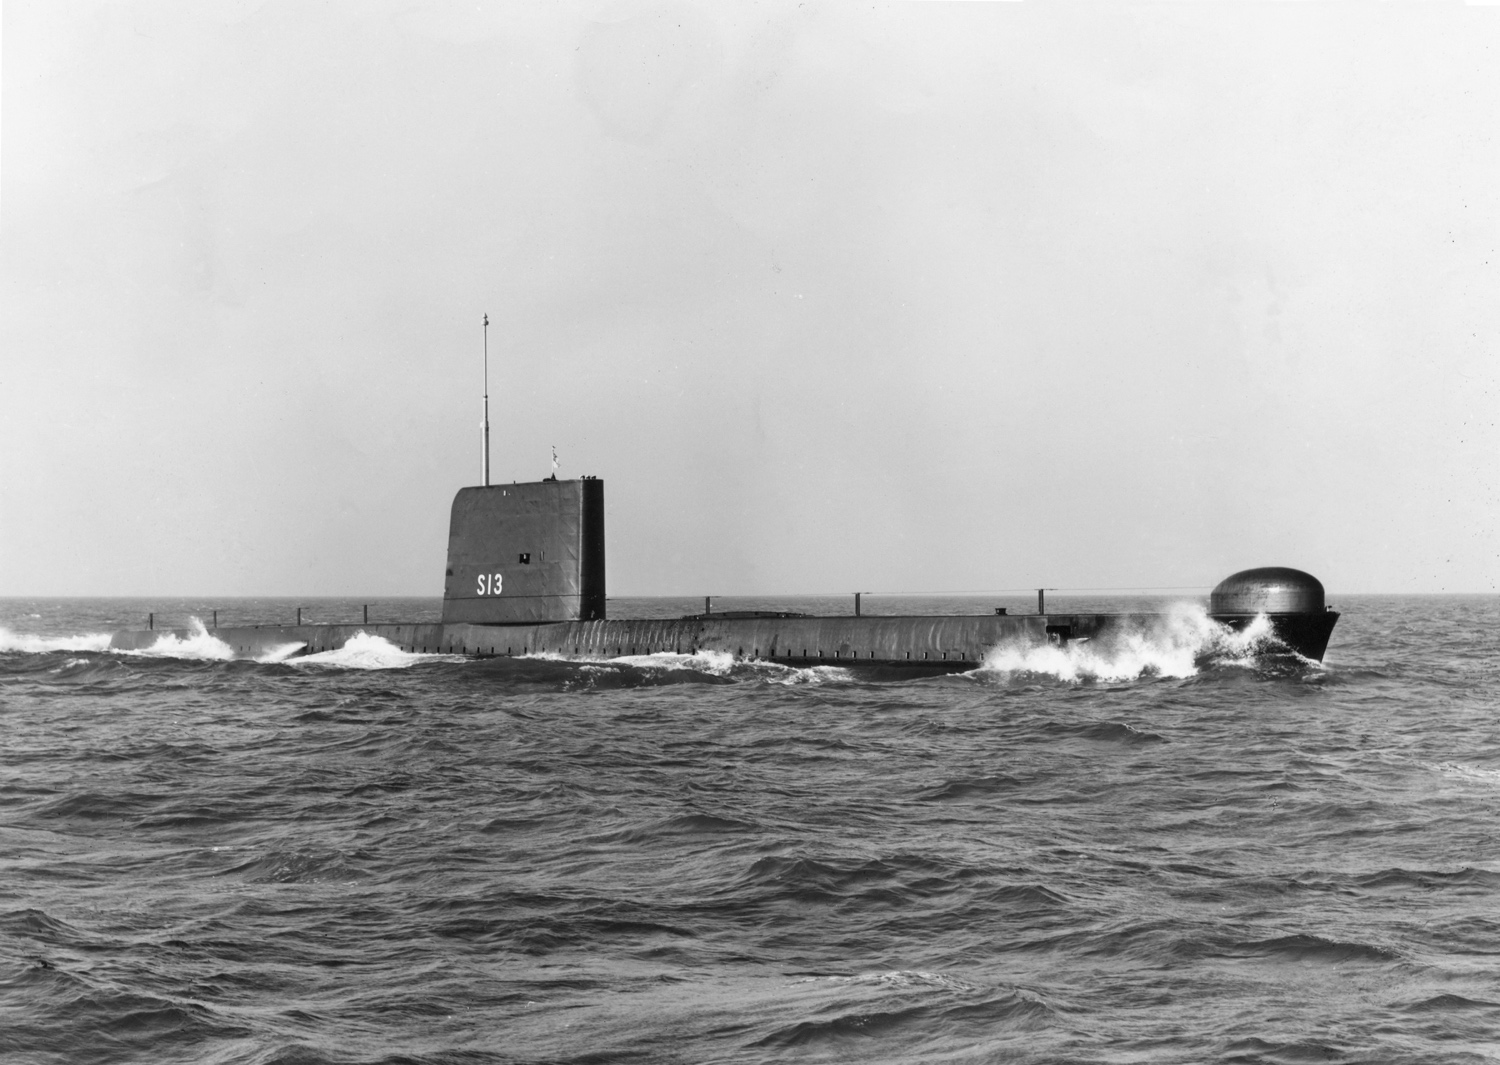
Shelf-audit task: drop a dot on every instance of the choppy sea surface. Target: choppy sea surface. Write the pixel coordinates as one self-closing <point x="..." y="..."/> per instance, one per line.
<point x="1186" y="850"/>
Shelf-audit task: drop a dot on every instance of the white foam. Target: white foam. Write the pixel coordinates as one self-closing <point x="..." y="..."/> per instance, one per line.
<point x="364" y="651"/>
<point x="1169" y="645"/>
<point x="714" y="663"/>
<point x="718" y="663"/>
<point x="199" y="644"/>
<point x="40" y="645"/>
<point x="779" y="674"/>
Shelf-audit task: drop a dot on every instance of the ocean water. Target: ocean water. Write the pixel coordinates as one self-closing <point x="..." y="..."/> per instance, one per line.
<point x="1184" y="850"/>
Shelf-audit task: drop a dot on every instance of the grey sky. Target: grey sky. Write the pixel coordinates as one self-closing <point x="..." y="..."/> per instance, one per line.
<point x="891" y="297"/>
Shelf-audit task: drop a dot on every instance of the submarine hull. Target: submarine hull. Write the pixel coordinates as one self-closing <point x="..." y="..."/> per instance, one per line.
<point x="525" y="576"/>
<point x="936" y="644"/>
<point x="1307" y="634"/>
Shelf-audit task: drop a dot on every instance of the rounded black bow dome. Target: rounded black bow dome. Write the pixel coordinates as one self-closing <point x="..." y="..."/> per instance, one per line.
<point x="1269" y="590"/>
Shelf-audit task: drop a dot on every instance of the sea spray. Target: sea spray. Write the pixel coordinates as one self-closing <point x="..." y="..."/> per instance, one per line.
<point x="1174" y="644"/>
<point x="196" y="643"/>
<point x="27" y="643"/>
<point x="364" y="651"/>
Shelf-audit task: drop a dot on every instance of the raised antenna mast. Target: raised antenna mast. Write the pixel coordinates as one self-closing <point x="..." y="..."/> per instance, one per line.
<point x="486" y="401"/>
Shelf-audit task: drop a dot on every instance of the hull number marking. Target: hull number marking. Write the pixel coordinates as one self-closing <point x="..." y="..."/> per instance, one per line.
<point x="489" y="583"/>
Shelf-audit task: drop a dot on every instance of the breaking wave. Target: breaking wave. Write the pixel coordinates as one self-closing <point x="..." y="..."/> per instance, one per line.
<point x="198" y="643"/>
<point x="361" y="651"/>
<point x="281" y="652"/>
<point x="1175" y="644"/>
<point x="195" y="643"/>
<point x="40" y="645"/>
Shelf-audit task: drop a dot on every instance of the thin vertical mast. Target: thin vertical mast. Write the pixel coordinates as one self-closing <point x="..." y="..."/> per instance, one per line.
<point x="486" y="401"/>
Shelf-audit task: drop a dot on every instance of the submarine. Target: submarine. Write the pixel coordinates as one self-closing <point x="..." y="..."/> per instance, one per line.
<point x="526" y="576"/>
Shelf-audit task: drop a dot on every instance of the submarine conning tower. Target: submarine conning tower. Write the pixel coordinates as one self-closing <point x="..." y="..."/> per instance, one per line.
<point x="1291" y="599"/>
<point x="526" y="553"/>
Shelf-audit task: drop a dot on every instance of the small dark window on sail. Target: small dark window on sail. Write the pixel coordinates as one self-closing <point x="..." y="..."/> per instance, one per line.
<point x="525" y="558"/>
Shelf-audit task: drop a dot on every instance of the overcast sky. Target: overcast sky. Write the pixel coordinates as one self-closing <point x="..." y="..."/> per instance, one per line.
<point x="886" y="297"/>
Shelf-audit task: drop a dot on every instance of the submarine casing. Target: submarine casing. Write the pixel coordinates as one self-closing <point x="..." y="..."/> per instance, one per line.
<point x="525" y="576"/>
<point x="908" y="644"/>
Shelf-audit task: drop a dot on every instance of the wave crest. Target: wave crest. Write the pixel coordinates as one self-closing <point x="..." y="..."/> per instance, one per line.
<point x="26" y="643"/>
<point x="198" y="643"/>
<point x="364" y="651"/>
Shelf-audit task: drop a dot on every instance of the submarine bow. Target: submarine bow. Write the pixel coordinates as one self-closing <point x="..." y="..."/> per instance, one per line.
<point x="1292" y="600"/>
